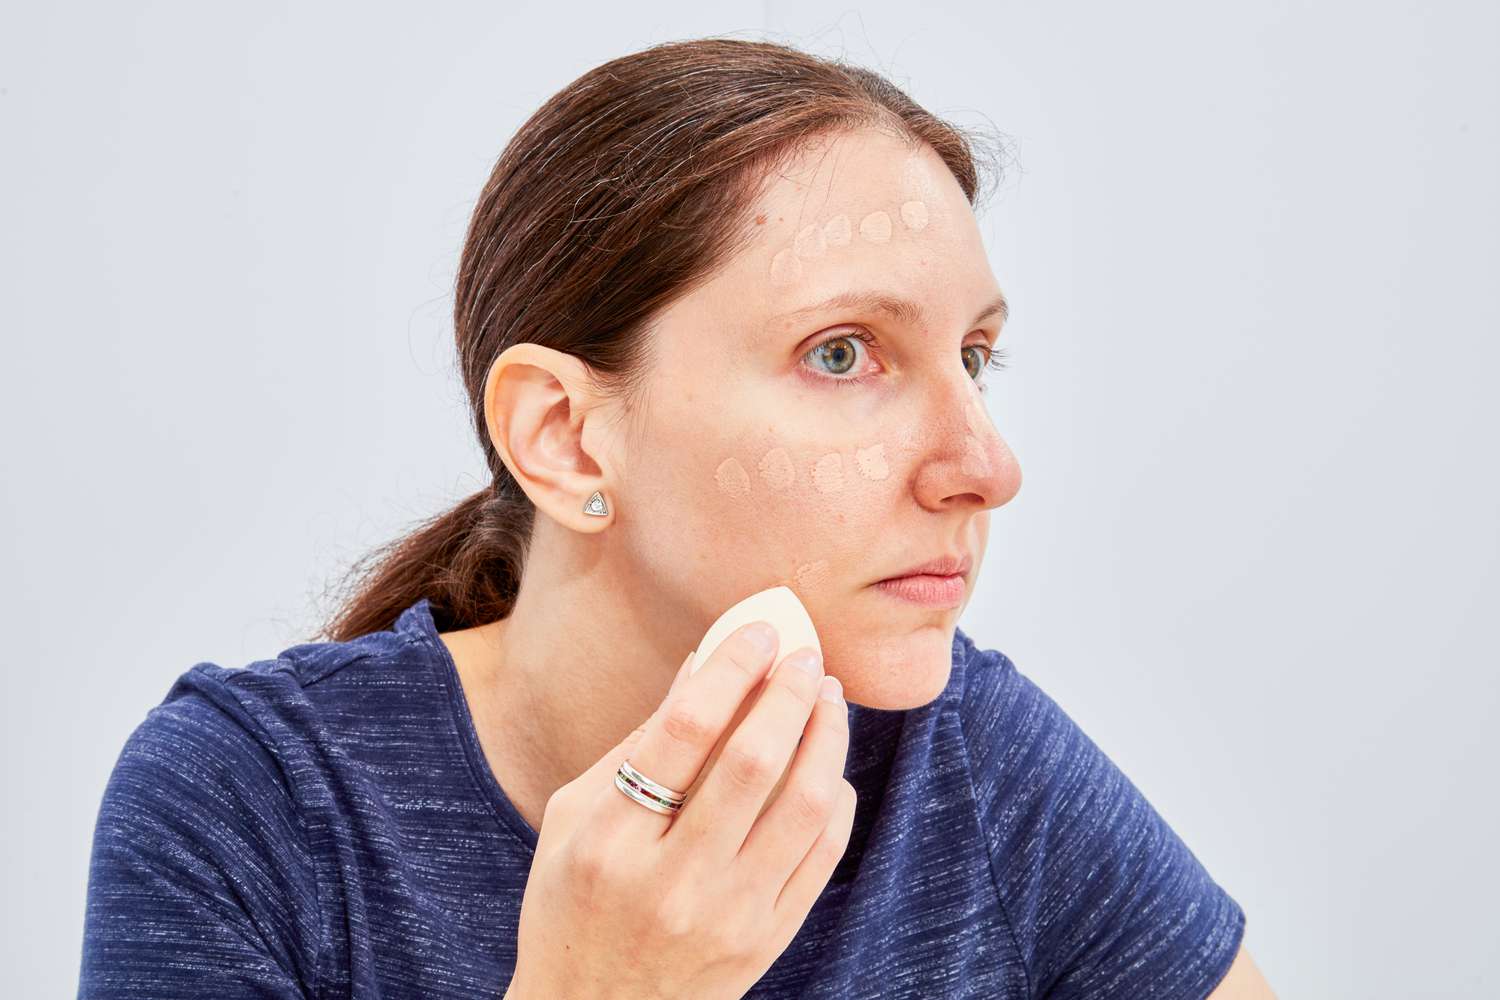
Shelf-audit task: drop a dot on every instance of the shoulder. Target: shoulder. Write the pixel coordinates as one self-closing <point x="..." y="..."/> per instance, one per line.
<point x="1106" y="899"/>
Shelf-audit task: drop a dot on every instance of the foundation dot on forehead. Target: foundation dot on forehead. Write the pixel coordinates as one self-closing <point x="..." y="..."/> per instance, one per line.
<point x="914" y="214"/>
<point x="732" y="477"/>
<point x="875" y="227"/>
<point x="776" y="469"/>
<point x="809" y="242"/>
<point x="828" y="474"/>
<point x="871" y="461"/>
<point x="785" y="267"/>
<point x="836" y="231"/>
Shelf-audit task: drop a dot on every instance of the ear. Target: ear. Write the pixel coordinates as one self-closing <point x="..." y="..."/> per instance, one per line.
<point x="547" y="423"/>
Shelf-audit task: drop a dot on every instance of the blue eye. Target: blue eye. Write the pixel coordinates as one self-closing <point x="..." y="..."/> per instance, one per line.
<point x="842" y="355"/>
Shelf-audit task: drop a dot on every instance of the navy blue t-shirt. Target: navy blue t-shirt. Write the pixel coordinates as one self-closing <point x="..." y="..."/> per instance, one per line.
<point x="325" y="824"/>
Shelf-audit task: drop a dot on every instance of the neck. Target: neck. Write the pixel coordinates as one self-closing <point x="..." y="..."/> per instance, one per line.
<point x="583" y="658"/>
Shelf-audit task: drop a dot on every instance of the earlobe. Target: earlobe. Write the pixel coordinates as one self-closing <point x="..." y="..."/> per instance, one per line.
<point x="535" y="403"/>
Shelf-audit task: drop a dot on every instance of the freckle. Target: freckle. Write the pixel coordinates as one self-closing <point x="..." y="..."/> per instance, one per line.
<point x="914" y="214"/>
<point x="871" y="461"/>
<point x="836" y="231"/>
<point x="875" y="227"/>
<point x="975" y="462"/>
<point x="809" y="242"/>
<point x="785" y="266"/>
<point x="732" y="478"/>
<point x="810" y="575"/>
<point x="760" y="220"/>
<point x="776" y="469"/>
<point x="828" y="474"/>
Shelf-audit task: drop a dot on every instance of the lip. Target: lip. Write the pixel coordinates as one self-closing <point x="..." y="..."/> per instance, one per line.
<point x="943" y="566"/>
<point x="926" y="590"/>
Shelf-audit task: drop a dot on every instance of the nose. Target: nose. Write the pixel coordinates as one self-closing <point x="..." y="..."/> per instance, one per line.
<point x="963" y="460"/>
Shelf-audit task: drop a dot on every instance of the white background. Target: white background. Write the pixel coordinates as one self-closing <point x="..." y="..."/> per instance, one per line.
<point x="1251" y="251"/>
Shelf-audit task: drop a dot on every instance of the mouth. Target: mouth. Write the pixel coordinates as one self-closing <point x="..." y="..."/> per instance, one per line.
<point x="926" y="590"/>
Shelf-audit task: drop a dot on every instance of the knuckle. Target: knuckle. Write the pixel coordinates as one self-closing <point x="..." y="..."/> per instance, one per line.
<point x="676" y="919"/>
<point x="748" y="766"/>
<point x="589" y="863"/>
<point x="685" y="724"/>
<point x="813" y="805"/>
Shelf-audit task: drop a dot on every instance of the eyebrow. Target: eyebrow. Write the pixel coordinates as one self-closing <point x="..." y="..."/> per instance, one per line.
<point x="902" y="310"/>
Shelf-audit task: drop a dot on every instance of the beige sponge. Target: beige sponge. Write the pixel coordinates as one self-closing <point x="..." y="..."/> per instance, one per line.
<point x="780" y="607"/>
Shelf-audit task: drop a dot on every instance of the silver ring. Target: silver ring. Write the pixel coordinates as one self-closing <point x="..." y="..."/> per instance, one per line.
<point x="656" y="797"/>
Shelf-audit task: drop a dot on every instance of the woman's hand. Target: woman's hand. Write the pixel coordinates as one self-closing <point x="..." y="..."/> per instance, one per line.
<point x="626" y="902"/>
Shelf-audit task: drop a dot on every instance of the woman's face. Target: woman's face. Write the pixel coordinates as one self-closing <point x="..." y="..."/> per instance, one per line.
<point x="777" y="447"/>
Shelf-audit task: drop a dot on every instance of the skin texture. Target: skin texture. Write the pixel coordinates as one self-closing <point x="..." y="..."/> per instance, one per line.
<point x="753" y="462"/>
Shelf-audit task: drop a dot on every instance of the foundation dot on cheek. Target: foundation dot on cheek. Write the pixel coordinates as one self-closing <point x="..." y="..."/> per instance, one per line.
<point x="785" y="267"/>
<point x="914" y="214"/>
<point x="828" y="474"/>
<point x="875" y="227"/>
<point x="809" y="242"/>
<point x="871" y="461"/>
<point x="836" y="231"/>
<point x="810" y="575"/>
<point x="776" y="469"/>
<point x="732" y="478"/>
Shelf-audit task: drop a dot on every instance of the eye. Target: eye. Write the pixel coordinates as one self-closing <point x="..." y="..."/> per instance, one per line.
<point x="841" y="354"/>
<point x="987" y="358"/>
<point x="842" y="351"/>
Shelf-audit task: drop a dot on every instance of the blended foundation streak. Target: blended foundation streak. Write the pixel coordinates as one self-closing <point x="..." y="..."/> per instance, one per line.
<point x="776" y="469"/>
<point x="836" y="231"/>
<point x="828" y="474"/>
<point x="871" y="461"/>
<point x="785" y="267"/>
<point x="914" y="214"/>
<point x="810" y="242"/>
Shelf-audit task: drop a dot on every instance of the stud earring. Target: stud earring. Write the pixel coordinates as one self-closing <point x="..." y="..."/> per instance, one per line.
<point x="596" y="505"/>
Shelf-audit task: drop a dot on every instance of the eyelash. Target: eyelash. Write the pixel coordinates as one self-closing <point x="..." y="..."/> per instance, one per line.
<point x="995" y="358"/>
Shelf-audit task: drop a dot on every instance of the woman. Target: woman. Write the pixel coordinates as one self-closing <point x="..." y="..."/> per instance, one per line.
<point x="724" y="316"/>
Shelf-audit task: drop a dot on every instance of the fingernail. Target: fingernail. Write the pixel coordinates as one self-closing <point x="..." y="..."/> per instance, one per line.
<point x="805" y="660"/>
<point x="831" y="689"/>
<point x="763" y="635"/>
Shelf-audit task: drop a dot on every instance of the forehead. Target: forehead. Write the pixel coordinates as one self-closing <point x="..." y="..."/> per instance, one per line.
<point x="854" y="211"/>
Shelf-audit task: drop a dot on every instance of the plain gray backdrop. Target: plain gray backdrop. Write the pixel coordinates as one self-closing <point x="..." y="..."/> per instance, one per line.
<point x="1251" y="251"/>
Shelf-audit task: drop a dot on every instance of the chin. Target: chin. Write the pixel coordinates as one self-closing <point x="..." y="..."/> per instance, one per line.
<point x="896" y="672"/>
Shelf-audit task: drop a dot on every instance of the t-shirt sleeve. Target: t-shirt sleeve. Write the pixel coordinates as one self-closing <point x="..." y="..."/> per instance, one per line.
<point x="1105" y="899"/>
<point x="200" y="883"/>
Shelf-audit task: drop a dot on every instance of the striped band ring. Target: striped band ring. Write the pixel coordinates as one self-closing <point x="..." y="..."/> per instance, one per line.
<point x="658" y="798"/>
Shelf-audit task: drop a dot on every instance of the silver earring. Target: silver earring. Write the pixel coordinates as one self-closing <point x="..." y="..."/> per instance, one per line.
<point x="596" y="505"/>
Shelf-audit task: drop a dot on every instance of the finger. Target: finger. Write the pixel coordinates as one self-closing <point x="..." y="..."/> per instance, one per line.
<point x="719" y="814"/>
<point x="811" y="877"/>
<point x="793" y="820"/>
<point x="607" y="765"/>
<point x="679" y="738"/>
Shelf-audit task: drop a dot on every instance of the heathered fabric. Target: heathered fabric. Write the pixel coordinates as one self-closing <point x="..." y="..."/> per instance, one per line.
<point x="325" y="824"/>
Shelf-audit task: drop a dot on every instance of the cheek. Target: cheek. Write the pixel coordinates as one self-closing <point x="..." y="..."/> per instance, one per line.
<point x="807" y="508"/>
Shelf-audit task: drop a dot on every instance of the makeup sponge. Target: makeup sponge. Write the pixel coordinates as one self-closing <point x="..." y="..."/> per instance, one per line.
<point x="794" y="627"/>
<point x="777" y="605"/>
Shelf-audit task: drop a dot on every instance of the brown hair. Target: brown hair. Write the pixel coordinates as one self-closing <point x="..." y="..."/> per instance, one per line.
<point x="608" y="204"/>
